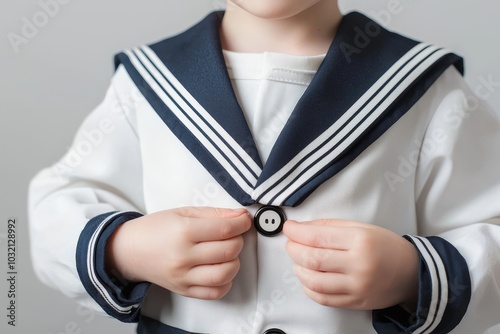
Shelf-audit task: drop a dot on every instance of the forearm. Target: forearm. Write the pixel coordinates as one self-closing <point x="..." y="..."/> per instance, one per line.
<point x="59" y="211"/>
<point x="65" y="198"/>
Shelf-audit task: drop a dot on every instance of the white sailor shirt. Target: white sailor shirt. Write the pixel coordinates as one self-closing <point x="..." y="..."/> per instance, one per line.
<point x="386" y="133"/>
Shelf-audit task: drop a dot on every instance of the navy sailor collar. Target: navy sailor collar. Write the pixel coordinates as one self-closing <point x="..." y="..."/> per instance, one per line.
<point x="369" y="78"/>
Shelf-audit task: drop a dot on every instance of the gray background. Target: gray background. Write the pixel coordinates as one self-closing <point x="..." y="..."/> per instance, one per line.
<point x="54" y="80"/>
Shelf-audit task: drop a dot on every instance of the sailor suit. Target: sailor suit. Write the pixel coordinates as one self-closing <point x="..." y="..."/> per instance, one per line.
<point x="386" y="133"/>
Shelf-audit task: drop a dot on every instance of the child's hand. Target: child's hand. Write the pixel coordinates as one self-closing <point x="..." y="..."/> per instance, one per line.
<point x="353" y="265"/>
<point x="190" y="251"/>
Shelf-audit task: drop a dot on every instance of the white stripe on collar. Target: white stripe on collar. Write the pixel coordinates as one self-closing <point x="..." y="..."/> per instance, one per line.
<point x="316" y="156"/>
<point x="194" y="117"/>
<point x="353" y="123"/>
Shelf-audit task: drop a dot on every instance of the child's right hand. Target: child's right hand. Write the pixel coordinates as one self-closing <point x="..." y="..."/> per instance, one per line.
<point x="191" y="251"/>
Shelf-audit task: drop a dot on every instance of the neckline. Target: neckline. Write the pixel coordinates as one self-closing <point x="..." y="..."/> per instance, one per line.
<point x="272" y="66"/>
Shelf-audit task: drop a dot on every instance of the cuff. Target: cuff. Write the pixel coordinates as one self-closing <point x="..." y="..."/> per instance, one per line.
<point x="444" y="292"/>
<point x="117" y="297"/>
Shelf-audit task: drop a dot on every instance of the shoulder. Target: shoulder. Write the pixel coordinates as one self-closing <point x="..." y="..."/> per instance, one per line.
<point x="203" y="32"/>
<point x="362" y="40"/>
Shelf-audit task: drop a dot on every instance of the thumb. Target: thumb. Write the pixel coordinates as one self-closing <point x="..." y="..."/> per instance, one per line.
<point x="333" y="222"/>
<point x="210" y="212"/>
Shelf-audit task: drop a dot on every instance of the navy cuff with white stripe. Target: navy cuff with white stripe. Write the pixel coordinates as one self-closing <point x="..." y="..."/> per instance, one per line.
<point x="117" y="297"/>
<point x="444" y="292"/>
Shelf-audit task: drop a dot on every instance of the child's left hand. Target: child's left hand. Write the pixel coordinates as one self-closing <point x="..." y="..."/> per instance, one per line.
<point x="353" y="265"/>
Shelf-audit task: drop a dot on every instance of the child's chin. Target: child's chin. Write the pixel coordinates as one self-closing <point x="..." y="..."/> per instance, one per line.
<point x="275" y="9"/>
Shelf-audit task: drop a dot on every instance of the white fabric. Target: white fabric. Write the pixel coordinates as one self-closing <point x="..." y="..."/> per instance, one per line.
<point x="268" y="86"/>
<point x="434" y="172"/>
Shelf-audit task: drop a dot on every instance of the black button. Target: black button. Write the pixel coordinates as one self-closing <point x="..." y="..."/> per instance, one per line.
<point x="269" y="221"/>
<point x="274" y="331"/>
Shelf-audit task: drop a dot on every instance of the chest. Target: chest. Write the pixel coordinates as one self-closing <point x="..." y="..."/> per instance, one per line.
<point x="376" y="187"/>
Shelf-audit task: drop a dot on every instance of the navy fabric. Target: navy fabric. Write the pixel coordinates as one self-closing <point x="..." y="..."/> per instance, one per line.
<point x="195" y="58"/>
<point x="338" y="84"/>
<point x="397" y="320"/>
<point x="390" y="117"/>
<point x="152" y="326"/>
<point x="459" y="284"/>
<point x="122" y="292"/>
<point x="350" y="68"/>
<point x="187" y="137"/>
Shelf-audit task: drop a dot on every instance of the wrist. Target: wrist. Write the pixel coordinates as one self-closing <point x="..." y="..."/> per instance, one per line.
<point x="119" y="255"/>
<point x="411" y="266"/>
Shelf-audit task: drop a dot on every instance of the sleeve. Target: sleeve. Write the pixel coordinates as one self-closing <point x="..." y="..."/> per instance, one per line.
<point x="457" y="185"/>
<point x="75" y="205"/>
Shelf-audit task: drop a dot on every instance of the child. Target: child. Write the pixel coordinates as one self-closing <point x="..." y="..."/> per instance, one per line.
<point x="337" y="145"/>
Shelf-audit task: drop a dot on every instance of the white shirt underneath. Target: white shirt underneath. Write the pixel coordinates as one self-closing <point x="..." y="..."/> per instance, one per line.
<point x="268" y="86"/>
